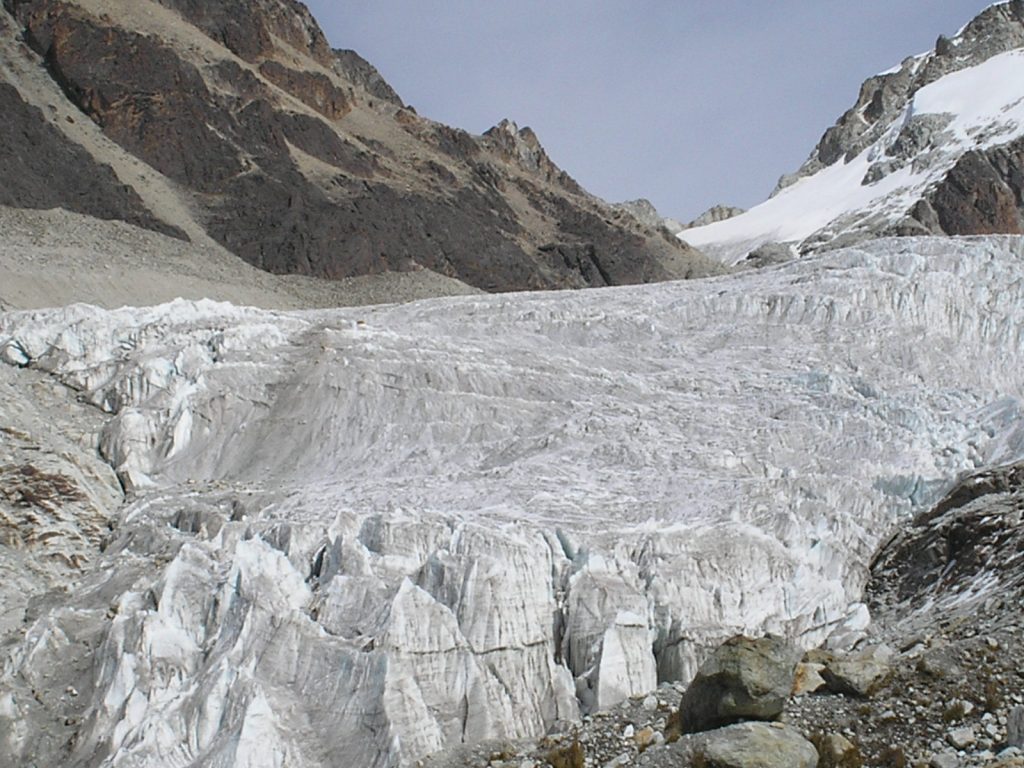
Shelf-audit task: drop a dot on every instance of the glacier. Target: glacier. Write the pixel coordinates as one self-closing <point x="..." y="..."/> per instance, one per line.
<point x="360" y="536"/>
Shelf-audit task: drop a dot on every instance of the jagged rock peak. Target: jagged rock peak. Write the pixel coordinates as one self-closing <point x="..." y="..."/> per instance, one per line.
<point x="643" y="210"/>
<point x="249" y="28"/>
<point x="715" y="214"/>
<point x="362" y="73"/>
<point x="519" y="143"/>
<point x="997" y="29"/>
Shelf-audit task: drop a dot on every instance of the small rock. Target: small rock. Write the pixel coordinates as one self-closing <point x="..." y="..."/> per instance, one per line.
<point x="940" y="664"/>
<point x="650" y="703"/>
<point x="961" y="738"/>
<point x="944" y="760"/>
<point x="624" y="759"/>
<point x="570" y="756"/>
<point x="644" y="737"/>
<point x="628" y="731"/>
<point x="808" y="678"/>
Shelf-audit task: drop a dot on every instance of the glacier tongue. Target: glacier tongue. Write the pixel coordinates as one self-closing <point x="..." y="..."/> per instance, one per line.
<point x="359" y="536"/>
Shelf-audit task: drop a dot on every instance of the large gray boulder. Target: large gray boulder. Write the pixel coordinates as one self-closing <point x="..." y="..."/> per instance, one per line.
<point x="755" y="745"/>
<point x="745" y="679"/>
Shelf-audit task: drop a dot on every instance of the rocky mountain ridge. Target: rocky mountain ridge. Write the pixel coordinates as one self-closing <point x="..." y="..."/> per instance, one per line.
<point x="240" y="124"/>
<point x="933" y="146"/>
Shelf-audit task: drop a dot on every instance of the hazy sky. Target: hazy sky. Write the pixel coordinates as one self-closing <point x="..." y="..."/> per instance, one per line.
<point x="686" y="103"/>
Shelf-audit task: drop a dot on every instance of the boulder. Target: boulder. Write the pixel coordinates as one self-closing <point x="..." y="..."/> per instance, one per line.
<point x="755" y="745"/>
<point x="745" y="679"/>
<point x="769" y="254"/>
<point x="862" y="674"/>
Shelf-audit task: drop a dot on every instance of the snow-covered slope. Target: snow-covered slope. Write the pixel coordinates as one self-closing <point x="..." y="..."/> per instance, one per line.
<point x="878" y="171"/>
<point x="358" y="536"/>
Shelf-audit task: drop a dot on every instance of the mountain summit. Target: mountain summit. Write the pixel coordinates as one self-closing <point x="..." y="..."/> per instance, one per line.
<point x="236" y="121"/>
<point x="933" y="146"/>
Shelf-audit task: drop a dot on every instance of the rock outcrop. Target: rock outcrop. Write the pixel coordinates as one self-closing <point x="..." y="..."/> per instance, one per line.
<point x="884" y="98"/>
<point x="645" y="212"/>
<point x="715" y="214"/>
<point x="298" y="158"/>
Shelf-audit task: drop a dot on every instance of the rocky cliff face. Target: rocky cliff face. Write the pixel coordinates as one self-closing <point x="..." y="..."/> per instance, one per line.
<point x="298" y="158"/>
<point x="934" y="146"/>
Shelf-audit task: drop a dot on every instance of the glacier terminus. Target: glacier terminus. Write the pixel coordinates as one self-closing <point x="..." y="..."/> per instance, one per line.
<point x="359" y="536"/>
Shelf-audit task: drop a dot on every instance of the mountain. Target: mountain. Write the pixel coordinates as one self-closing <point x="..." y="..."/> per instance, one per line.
<point x="478" y="530"/>
<point x="236" y="122"/>
<point x="933" y="146"/>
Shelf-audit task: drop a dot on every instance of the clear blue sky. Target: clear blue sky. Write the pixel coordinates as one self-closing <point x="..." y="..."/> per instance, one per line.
<point x="686" y="103"/>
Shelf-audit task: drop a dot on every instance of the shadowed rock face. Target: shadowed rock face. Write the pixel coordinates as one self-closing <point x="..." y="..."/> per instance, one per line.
<point x="303" y="160"/>
<point x="33" y="154"/>
<point x="983" y="194"/>
<point x="944" y="555"/>
<point x="314" y="88"/>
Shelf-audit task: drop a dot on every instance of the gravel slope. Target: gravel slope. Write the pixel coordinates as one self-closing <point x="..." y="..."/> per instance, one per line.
<point x="53" y="258"/>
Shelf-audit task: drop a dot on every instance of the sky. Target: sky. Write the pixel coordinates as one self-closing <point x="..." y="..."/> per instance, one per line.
<point x="688" y="104"/>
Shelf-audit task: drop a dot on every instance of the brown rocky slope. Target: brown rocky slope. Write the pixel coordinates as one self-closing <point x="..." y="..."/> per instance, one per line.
<point x="237" y="121"/>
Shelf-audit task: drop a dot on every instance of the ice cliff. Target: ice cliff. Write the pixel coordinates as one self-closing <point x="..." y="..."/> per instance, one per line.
<point x="353" y="537"/>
